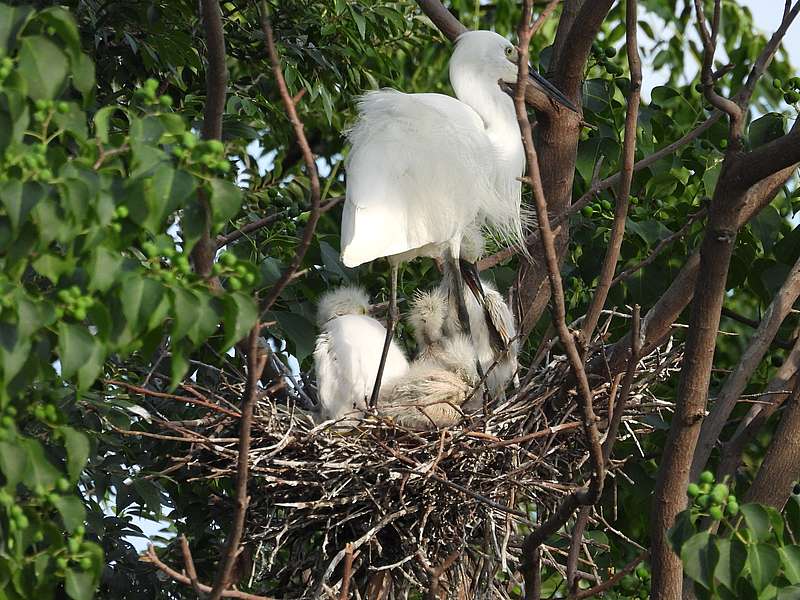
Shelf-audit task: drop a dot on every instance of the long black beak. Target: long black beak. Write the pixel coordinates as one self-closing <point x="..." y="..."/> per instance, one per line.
<point x="470" y="275"/>
<point x="549" y="89"/>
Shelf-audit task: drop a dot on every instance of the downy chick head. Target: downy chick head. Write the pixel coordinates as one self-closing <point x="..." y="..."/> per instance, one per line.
<point x="346" y="300"/>
<point x="457" y="355"/>
<point x="427" y="317"/>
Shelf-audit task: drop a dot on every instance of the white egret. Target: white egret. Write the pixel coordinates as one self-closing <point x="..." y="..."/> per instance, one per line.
<point x="435" y="386"/>
<point x="347" y="353"/>
<point x="424" y="166"/>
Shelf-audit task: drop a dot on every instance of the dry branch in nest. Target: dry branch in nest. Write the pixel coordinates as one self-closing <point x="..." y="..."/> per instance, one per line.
<point x="408" y="501"/>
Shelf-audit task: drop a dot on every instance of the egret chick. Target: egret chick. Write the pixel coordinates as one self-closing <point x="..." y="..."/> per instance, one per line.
<point x="423" y="167"/>
<point x="430" y="393"/>
<point x="347" y="353"/>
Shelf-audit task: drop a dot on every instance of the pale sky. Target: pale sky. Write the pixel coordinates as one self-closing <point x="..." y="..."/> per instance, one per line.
<point x="767" y="15"/>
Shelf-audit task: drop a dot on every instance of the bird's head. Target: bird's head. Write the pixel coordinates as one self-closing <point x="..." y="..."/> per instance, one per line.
<point x="427" y="316"/>
<point x="496" y="58"/>
<point x="346" y="300"/>
<point x="458" y="356"/>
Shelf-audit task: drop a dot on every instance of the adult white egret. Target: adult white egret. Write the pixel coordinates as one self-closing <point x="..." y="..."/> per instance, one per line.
<point x="347" y="352"/>
<point x="424" y="166"/>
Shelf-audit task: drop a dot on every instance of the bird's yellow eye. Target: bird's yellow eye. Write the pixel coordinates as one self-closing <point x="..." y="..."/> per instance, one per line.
<point x="509" y="51"/>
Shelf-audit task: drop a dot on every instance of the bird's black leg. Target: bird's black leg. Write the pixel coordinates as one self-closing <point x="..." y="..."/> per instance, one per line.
<point x="459" y="289"/>
<point x="391" y="322"/>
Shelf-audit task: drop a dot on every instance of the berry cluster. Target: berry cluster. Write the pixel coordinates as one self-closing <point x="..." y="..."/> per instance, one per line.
<point x="637" y="585"/>
<point x="6" y="65"/>
<point x="602" y="58"/>
<point x="120" y="213"/>
<point x="46" y="108"/>
<point x="7" y="423"/>
<point x="34" y="162"/>
<point x="239" y="273"/>
<point x="209" y="154"/>
<point x="790" y="89"/>
<point x="148" y="94"/>
<point x="715" y="500"/>
<point x="73" y="303"/>
<point x="46" y="413"/>
<point x="178" y="260"/>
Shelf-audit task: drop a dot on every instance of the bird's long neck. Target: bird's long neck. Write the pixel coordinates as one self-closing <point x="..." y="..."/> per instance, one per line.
<point x="496" y="109"/>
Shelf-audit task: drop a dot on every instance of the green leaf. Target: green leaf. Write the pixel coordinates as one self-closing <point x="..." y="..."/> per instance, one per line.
<point x="140" y="298"/>
<point x="179" y="364"/>
<point x="77" y="446"/>
<point x="39" y="470"/>
<point x="757" y="520"/>
<point x="185" y="312"/>
<point x="44" y="66"/>
<point x="299" y="332"/>
<point x="163" y="193"/>
<point x="732" y="558"/>
<point x="75" y="348"/>
<point x="14" y="351"/>
<point x="13" y="460"/>
<point x="12" y="20"/>
<point x="240" y="315"/>
<point x="71" y="510"/>
<point x="19" y="199"/>
<point x="80" y="585"/>
<point x="792" y="511"/>
<point x="764" y="562"/>
<point x="699" y="555"/>
<point x="226" y="198"/>
<point x="790" y="557"/>
<point x="209" y="313"/>
<point x="103" y="268"/>
<point x="64" y="24"/>
<point x="102" y="120"/>
<point x="767" y="128"/>
<point x="83" y="75"/>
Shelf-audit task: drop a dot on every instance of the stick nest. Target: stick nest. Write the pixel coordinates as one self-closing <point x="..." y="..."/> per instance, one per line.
<point x="408" y="501"/>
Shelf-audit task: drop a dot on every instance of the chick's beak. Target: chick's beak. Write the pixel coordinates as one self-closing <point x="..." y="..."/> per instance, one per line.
<point x="548" y="88"/>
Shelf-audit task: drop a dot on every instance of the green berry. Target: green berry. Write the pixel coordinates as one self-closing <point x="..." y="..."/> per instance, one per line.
<point x="40" y="104"/>
<point x="23" y="522"/>
<point x="38" y="536"/>
<point x="723" y="144"/>
<point x="189" y="140"/>
<point x="733" y="508"/>
<point x="85" y="563"/>
<point x="46" y="174"/>
<point x="5" y="498"/>
<point x="51" y="30"/>
<point x="777" y="83"/>
<point x="39" y="413"/>
<point x="606" y="205"/>
<point x="52" y="497"/>
<point x="704" y="501"/>
<point x="249" y="278"/>
<point x="224" y="166"/>
<point x="216" y="269"/>
<point x="38" y="490"/>
<point x="228" y="259"/>
<point x="7" y="62"/>
<point x="79" y="313"/>
<point x="15" y="511"/>
<point x="587" y="211"/>
<point x="641" y="571"/>
<point x="12" y="410"/>
<point x="610" y="51"/>
<point x="629" y="583"/>
<point x="706" y="477"/>
<point x="165" y="100"/>
<point x="116" y="227"/>
<point x="51" y="414"/>
<point x="720" y="493"/>
<point x="62" y="562"/>
<point x="693" y="491"/>
<point x="62" y="107"/>
<point x="80" y="531"/>
<point x="235" y="284"/>
<point x="122" y="212"/>
<point x="791" y="97"/>
<point x="74" y="545"/>
<point x="715" y="512"/>
<point x="62" y="485"/>
<point x="216" y="146"/>
<point x="150" y="84"/>
<point x="178" y="152"/>
<point x="7" y="421"/>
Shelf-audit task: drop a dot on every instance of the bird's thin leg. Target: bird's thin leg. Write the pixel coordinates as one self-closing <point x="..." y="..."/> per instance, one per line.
<point x="459" y="288"/>
<point x="391" y="322"/>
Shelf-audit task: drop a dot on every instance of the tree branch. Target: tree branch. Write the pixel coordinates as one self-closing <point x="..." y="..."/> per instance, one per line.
<point x="627" y="159"/>
<point x="751" y="358"/>
<point x="216" y="85"/>
<point x="781" y="465"/>
<point x="255" y="365"/>
<point x="442" y="18"/>
<point x="308" y="157"/>
<point x="151" y="557"/>
<point x="595" y="591"/>
<point x="770" y="158"/>
<point x="592" y="493"/>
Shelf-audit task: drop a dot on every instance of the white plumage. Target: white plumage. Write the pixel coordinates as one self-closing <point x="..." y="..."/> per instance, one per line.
<point x="348" y="351"/>
<point x="425" y="166"/>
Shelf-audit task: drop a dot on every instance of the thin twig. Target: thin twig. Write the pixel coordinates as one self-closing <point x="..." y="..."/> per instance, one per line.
<point x="595" y="591"/>
<point x="348" y="571"/>
<point x="255" y="366"/>
<point x="188" y="563"/>
<point x="151" y="557"/>
<point x="308" y="157"/>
